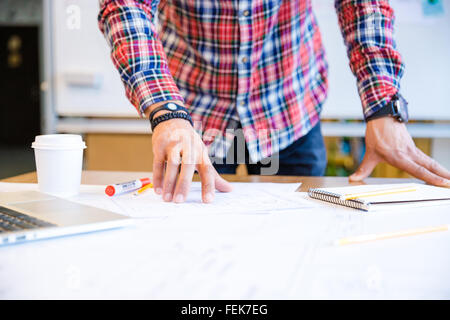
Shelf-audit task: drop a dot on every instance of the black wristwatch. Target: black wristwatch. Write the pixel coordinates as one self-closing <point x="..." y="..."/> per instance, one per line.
<point x="397" y="108"/>
<point x="176" y="112"/>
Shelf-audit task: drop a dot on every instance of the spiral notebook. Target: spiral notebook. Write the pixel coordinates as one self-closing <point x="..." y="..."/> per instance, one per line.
<point x="369" y="197"/>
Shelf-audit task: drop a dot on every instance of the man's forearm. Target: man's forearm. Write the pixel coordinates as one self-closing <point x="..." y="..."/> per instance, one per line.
<point x="367" y="28"/>
<point x="137" y="52"/>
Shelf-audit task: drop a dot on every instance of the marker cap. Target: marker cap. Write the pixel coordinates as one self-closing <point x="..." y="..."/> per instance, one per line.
<point x="110" y="191"/>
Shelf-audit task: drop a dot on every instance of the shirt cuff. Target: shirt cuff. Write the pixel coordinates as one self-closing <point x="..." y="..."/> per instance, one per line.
<point x="151" y="86"/>
<point x="375" y="93"/>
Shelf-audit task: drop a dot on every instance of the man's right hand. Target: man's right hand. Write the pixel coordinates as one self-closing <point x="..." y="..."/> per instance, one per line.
<point x="178" y="152"/>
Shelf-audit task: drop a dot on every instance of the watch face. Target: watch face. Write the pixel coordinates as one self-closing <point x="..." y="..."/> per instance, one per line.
<point x="402" y="109"/>
<point x="172" y="106"/>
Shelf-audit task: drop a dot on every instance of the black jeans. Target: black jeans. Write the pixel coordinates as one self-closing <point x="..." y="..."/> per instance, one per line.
<point x="305" y="157"/>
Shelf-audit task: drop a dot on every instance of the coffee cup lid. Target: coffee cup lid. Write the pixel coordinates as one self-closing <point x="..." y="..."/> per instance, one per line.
<point x="58" y="142"/>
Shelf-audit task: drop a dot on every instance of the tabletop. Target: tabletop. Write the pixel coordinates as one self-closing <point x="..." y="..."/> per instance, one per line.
<point x="238" y="255"/>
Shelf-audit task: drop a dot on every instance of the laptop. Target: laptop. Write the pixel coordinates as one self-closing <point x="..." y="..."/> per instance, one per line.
<point x="31" y="215"/>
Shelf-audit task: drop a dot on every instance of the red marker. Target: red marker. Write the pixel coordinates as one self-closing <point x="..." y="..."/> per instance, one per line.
<point x="120" y="188"/>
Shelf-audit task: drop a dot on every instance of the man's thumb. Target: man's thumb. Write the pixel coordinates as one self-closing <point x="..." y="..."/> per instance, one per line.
<point x="222" y="185"/>
<point x="366" y="167"/>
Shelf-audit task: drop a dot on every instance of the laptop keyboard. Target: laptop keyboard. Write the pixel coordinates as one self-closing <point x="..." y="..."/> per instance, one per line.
<point x="11" y="220"/>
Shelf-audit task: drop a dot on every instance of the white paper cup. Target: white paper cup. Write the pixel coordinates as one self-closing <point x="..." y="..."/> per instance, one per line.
<point x="59" y="160"/>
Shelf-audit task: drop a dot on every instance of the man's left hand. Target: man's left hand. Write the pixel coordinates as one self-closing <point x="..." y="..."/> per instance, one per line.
<point x="388" y="140"/>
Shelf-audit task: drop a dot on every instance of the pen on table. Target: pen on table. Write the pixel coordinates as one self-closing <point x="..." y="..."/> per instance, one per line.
<point x="143" y="189"/>
<point x="375" y="193"/>
<point x="390" y="235"/>
<point x="120" y="188"/>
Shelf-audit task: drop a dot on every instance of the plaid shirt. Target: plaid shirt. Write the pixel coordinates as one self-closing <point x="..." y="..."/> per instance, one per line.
<point x="257" y="62"/>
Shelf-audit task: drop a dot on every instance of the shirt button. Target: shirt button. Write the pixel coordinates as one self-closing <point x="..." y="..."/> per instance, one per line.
<point x="244" y="60"/>
<point x="246" y="13"/>
<point x="242" y="103"/>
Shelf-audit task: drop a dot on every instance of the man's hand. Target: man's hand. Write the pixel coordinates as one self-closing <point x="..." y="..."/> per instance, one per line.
<point x="388" y="140"/>
<point x="179" y="151"/>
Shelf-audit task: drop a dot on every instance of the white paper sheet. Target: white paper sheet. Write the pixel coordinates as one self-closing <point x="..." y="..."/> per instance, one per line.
<point x="246" y="198"/>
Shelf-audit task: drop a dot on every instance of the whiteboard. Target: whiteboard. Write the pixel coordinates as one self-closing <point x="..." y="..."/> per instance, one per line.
<point x="424" y="43"/>
<point x="87" y="84"/>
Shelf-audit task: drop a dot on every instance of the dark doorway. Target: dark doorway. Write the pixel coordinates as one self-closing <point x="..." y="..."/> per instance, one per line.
<point x="20" y="97"/>
<point x="19" y="85"/>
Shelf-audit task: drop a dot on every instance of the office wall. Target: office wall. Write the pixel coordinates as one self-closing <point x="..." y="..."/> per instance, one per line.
<point x="87" y="84"/>
<point x="423" y="39"/>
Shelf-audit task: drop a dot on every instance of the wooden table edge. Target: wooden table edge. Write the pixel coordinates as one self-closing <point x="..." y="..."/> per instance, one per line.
<point x="108" y="177"/>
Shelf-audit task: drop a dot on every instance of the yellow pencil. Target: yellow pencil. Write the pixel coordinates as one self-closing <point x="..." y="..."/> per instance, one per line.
<point x="143" y="189"/>
<point x="390" y="235"/>
<point x="377" y="193"/>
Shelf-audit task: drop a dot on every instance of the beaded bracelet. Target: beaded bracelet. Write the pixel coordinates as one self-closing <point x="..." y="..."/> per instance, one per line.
<point x="168" y="116"/>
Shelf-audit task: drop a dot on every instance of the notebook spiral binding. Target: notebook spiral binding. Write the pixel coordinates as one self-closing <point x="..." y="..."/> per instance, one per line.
<point x="335" y="198"/>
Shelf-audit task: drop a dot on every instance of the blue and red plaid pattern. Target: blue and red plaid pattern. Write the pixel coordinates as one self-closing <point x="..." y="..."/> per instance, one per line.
<point x="257" y="62"/>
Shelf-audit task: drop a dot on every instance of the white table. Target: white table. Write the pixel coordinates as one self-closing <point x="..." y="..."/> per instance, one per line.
<point x="268" y="258"/>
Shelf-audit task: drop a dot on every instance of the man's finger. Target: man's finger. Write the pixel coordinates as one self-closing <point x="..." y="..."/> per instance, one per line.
<point x="366" y="167"/>
<point x="158" y="174"/>
<point x="170" y="178"/>
<point x="432" y="165"/>
<point x="221" y="184"/>
<point x="184" y="182"/>
<point x="207" y="177"/>
<point x="418" y="171"/>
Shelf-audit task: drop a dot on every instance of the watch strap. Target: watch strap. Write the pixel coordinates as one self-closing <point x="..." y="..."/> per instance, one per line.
<point x="392" y="108"/>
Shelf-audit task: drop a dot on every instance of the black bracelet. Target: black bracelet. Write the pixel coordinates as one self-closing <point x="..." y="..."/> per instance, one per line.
<point x="168" y="116"/>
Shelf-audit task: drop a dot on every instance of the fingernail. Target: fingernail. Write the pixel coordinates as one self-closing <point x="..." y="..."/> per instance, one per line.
<point x="158" y="190"/>
<point x="208" y="197"/>
<point x="179" y="198"/>
<point x="167" y="197"/>
<point x="447" y="184"/>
